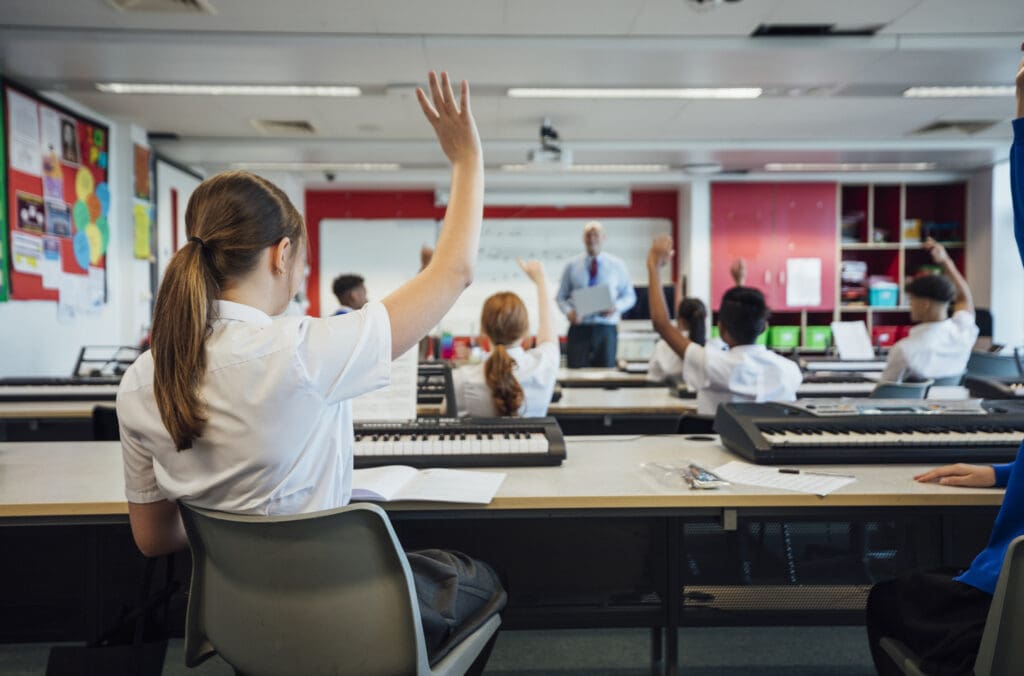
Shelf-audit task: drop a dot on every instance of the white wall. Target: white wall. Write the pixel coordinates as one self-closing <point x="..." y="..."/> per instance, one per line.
<point x="170" y="178"/>
<point x="34" y="341"/>
<point x="1007" y="275"/>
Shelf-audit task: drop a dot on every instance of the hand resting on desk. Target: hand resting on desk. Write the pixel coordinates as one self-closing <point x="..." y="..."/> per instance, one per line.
<point x="960" y="474"/>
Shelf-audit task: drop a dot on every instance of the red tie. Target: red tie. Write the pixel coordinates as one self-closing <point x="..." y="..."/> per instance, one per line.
<point x="593" y="271"/>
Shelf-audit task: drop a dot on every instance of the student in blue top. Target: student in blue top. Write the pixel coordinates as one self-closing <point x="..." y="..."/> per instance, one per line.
<point x="936" y="614"/>
<point x="593" y="339"/>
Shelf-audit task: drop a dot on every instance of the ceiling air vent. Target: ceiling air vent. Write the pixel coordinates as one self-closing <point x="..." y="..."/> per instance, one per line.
<point x="961" y="126"/>
<point x="176" y="6"/>
<point x="284" y="127"/>
<point x="813" y="30"/>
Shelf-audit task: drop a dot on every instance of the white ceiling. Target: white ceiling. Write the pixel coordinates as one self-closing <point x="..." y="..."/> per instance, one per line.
<point x="827" y="99"/>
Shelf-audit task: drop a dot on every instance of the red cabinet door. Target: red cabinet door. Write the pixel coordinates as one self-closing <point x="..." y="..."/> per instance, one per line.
<point x="741" y="227"/>
<point x="805" y="228"/>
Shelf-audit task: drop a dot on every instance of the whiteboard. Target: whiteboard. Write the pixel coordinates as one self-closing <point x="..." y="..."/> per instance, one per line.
<point x="386" y="253"/>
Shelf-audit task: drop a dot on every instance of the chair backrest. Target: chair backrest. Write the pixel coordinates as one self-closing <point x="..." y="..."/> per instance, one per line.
<point x="1001" y="652"/>
<point x="887" y="390"/>
<point x="104" y="424"/>
<point x="948" y="381"/>
<point x="995" y="365"/>
<point x="328" y="592"/>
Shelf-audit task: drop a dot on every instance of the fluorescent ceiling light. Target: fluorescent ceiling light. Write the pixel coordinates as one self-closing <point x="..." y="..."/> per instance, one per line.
<point x="849" y="166"/>
<point x="958" y="92"/>
<point x="590" y="168"/>
<point x="316" y="166"/>
<point x="550" y="198"/>
<point x="610" y="93"/>
<point x="226" y="89"/>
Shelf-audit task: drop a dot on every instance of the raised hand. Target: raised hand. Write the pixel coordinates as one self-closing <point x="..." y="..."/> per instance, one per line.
<point x="738" y="270"/>
<point x="661" y="251"/>
<point x="533" y="269"/>
<point x="960" y="474"/>
<point x="453" y="122"/>
<point x="1020" y="87"/>
<point x="938" y="252"/>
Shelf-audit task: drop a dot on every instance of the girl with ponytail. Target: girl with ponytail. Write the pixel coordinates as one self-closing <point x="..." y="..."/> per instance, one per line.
<point x="239" y="409"/>
<point x="512" y="381"/>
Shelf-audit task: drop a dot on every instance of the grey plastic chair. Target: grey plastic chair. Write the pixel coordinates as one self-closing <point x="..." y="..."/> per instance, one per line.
<point x="323" y="593"/>
<point x="948" y="381"/>
<point x="888" y="390"/>
<point x="1001" y="652"/>
<point x="994" y="365"/>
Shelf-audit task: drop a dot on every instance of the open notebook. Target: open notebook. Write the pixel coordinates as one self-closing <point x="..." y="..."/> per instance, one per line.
<point x="400" y="482"/>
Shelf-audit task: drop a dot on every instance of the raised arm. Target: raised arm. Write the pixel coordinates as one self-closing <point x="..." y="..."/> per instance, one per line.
<point x="658" y="257"/>
<point x="1017" y="164"/>
<point x="419" y="304"/>
<point x="738" y="270"/>
<point x="545" y="305"/>
<point x="963" y="300"/>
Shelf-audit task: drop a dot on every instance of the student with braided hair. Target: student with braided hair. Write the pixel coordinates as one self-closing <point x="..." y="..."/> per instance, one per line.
<point x="512" y="381"/>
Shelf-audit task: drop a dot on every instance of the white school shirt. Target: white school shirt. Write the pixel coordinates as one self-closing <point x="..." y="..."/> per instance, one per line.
<point x="742" y="373"/>
<point x="933" y="349"/>
<point x="279" y="434"/>
<point x="666" y="363"/>
<point x="536" y="371"/>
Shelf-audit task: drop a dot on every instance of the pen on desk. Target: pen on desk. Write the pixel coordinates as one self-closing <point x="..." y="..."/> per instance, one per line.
<point x="790" y="470"/>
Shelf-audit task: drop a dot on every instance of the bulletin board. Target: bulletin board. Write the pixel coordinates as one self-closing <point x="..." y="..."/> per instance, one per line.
<point x="58" y="201"/>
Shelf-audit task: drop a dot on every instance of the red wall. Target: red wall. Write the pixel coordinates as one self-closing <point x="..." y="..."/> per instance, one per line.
<point x="369" y="204"/>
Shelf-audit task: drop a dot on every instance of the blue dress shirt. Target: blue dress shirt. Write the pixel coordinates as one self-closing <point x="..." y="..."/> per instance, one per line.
<point x="611" y="271"/>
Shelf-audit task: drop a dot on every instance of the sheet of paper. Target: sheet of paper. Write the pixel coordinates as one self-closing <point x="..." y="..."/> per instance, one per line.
<point x="397" y="401"/>
<point x="770" y="477"/>
<point x="23" y="116"/>
<point x="852" y="340"/>
<point x="803" y="282"/>
<point x="380" y="483"/>
<point x="49" y="264"/>
<point x="452" y="485"/>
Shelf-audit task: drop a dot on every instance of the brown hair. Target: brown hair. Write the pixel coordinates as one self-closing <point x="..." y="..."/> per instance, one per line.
<point x="231" y="218"/>
<point x="505" y="321"/>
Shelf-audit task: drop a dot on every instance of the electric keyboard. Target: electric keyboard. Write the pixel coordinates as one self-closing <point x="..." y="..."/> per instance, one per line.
<point x="872" y="430"/>
<point x="59" y="389"/>
<point x="460" y="442"/>
<point x="987" y="387"/>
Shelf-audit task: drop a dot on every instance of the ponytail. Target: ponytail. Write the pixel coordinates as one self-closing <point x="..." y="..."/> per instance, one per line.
<point x="185" y="306"/>
<point x="231" y="219"/>
<point x="506" y="391"/>
<point x="695" y="314"/>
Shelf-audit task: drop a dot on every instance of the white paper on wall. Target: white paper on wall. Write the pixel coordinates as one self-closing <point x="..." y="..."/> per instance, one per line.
<point x="24" y="134"/>
<point x="803" y="282"/>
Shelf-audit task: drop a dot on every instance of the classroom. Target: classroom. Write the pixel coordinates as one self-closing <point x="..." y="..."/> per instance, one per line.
<point x="511" y="338"/>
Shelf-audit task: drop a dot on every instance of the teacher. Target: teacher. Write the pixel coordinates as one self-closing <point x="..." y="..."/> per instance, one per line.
<point x="593" y="338"/>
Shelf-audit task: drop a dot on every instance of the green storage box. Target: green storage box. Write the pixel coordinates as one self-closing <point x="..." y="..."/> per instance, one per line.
<point x="818" y="338"/>
<point x="761" y="340"/>
<point x="783" y="336"/>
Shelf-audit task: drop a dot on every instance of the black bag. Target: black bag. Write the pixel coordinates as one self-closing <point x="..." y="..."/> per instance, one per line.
<point x="136" y="645"/>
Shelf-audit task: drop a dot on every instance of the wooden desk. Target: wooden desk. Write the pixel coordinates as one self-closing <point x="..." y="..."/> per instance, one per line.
<point x="47" y="420"/>
<point x="632" y="410"/>
<point x="599" y="541"/>
<point x="609" y="378"/>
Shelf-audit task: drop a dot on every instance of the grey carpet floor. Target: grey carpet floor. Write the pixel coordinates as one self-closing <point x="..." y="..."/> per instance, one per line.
<point x="753" y="651"/>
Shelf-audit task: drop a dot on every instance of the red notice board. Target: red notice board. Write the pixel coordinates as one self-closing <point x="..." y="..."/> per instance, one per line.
<point x="58" y="199"/>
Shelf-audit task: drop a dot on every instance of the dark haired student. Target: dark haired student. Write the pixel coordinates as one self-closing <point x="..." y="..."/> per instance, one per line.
<point x="744" y="372"/>
<point x="940" y="614"/>
<point x="350" y="290"/>
<point x="234" y="411"/>
<point x="939" y="345"/>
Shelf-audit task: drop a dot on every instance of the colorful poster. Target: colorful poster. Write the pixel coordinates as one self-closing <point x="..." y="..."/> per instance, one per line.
<point x="27" y="250"/>
<point x="4" y="280"/>
<point x="23" y="127"/>
<point x="142" y="183"/>
<point x="143" y="228"/>
<point x="69" y="141"/>
<point x="31" y="213"/>
<point x="58" y="218"/>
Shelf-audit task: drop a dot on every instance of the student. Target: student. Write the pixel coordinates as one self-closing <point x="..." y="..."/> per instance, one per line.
<point x="512" y="381"/>
<point x="937" y="615"/>
<point x="691" y="320"/>
<point x="237" y="412"/>
<point x="746" y="371"/>
<point x="350" y="290"/>
<point x="940" y="345"/>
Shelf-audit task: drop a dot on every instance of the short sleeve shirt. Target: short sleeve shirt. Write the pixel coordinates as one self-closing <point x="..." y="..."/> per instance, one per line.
<point x="933" y="349"/>
<point x="536" y="371"/>
<point x="743" y="373"/>
<point x="278" y="439"/>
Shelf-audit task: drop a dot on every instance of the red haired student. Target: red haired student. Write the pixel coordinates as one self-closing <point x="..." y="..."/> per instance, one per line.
<point x="236" y="411"/>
